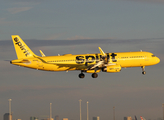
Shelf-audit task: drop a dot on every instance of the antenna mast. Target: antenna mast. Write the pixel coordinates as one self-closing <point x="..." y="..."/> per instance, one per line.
<point x="80" y="107"/>
<point x="9" y="108"/>
<point x="87" y="111"/>
<point x="50" y="111"/>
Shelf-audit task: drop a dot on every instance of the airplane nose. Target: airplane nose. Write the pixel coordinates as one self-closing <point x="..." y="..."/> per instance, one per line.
<point x="157" y="60"/>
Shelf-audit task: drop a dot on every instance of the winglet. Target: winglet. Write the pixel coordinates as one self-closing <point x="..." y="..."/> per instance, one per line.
<point x="102" y="52"/>
<point x="43" y="55"/>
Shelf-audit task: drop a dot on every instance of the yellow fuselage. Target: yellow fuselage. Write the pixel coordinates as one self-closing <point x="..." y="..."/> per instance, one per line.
<point x="82" y="61"/>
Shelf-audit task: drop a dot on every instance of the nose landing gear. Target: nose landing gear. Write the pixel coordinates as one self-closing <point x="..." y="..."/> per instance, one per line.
<point x="143" y="70"/>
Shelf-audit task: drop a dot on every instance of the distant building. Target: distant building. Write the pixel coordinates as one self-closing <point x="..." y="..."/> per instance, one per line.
<point x="57" y="117"/>
<point x="7" y="116"/>
<point x="34" y="118"/>
<point x="47" y="119"/>
<point x="128" y="118"/>
<point x="96" y="118"/>
<point x="65" y="118"/>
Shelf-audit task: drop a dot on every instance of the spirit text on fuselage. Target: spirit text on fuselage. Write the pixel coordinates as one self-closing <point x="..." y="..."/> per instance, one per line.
<point x="94" y="58"/>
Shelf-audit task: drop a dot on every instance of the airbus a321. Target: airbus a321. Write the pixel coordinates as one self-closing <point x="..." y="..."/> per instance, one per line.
<point x="85" y="63"/>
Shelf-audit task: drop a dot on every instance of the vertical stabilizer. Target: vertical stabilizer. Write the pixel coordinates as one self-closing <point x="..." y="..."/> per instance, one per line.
<point x="21" y="49"/>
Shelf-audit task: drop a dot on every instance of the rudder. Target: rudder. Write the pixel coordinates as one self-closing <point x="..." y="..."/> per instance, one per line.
<point x="21" y="49"/>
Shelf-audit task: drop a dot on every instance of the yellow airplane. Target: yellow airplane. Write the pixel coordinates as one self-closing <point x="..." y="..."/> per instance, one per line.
<point x="89" y="63"/>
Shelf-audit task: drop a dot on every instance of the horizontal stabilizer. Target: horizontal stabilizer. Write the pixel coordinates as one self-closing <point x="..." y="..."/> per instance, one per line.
<point x="20" y="61"/>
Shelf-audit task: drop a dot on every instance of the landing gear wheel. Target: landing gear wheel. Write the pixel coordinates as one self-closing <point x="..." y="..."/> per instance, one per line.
<point x="143" y="72"/>
<point x="81" y="75"/>
<point x="94" y="75"/>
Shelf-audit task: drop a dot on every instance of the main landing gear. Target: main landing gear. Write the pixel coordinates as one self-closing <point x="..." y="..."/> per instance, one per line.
<point x="143" y="70"/>
<point x="82" y="75"/>
<point x="94" y="75"/>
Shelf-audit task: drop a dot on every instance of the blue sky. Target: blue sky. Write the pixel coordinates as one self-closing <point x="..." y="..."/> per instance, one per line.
<point x="120" y="19"/>
<point x="77" y="27"/>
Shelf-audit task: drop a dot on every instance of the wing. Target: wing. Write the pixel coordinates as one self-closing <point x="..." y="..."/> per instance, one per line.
<point x="102" y="63"/>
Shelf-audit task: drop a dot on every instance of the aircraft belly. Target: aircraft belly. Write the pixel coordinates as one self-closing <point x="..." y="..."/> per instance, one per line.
<point x="54" y="67"/>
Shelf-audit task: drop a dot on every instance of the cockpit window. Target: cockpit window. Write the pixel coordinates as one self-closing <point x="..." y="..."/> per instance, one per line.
<point x="153" y="55"/>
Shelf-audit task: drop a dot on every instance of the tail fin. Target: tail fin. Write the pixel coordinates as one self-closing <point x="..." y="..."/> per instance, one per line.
<point x="21" y="49"/>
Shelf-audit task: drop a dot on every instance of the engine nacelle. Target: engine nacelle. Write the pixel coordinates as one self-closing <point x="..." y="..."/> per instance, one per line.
<point x="112" y="68"/>
<point x="92" y="71"/>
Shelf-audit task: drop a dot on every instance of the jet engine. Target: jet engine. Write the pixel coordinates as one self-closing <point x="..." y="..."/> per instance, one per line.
<point x="112" y="68"/>
<point x="92" y="71"/>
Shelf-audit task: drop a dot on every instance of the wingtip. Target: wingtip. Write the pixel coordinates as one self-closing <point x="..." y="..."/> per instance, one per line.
<point x="14" y="35"/>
